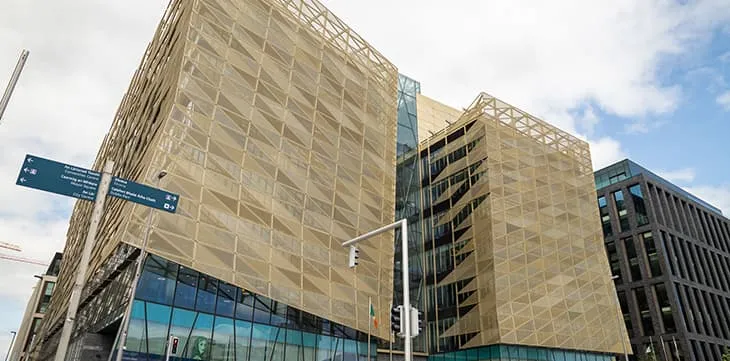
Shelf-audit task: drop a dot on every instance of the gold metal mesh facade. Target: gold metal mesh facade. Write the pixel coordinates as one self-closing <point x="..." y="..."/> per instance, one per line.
<point x="530" y="267"/>
<point x="276" y="124"/>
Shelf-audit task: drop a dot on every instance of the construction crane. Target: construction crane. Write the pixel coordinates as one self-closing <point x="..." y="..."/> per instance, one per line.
<point x="10" y="246"/>
<point x="23" y="260"/>
<point x="16" y="248"/>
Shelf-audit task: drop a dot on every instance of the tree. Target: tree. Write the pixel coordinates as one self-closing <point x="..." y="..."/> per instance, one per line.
<point x="649" y="357"/>
<point x="726" y="355"/>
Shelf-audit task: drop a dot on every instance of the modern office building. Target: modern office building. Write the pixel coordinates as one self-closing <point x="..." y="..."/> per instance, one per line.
<point x="286" y="134"/>
<point x="35" y="310"/>
<point x="670" y="254"/>
<point x="276" y="125"/>
<point x="506" y="247"/>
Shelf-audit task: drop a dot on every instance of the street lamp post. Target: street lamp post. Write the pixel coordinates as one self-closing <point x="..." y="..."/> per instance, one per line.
<point x="140" y="263"/>
<point x="403" y="225"/>
<point x="10" y="348"/>
<point x="618" y="320"/>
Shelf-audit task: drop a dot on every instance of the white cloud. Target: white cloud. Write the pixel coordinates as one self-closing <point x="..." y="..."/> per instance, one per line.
<point x="588" y="120"/>
<point x="606" y="151"/>
<point x="718" y="196"/>
<point x="542" y="56"/>
<point x="685" y="175"/>
<point x="642" y="126"/>
<point x="724" y="100"/>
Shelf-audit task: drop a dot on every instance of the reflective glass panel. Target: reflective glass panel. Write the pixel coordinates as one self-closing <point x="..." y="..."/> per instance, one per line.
<point x="637" y="197"/>
<point x="224" y="343"/>
<point x="243" y="339"/>
<point x="207" y="291"/>
<point x="198" y="347"/>
<point x="226" y="299"/>
<point x="244" y="305"/>
<point x="158" y="319"/>
<point x="182" y="327"/>
<point x="157" y="281"/>
<point x="137" y="335"/>
<point x="187" y="281"/>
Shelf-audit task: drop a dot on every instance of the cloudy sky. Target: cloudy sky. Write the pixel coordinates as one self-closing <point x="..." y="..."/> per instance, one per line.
<point x="649" y="80"/>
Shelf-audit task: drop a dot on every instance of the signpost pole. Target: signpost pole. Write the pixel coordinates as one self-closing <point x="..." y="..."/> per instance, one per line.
<point x="133" y="288"/>
<point x="78" y="286"/>
<point x="13" y="81"/>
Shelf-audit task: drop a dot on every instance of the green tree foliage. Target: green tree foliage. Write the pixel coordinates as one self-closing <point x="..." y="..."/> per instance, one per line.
<point x="726" y="355"/>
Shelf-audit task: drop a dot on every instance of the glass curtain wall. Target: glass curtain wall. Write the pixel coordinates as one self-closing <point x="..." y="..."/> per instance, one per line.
<point x="408" y="205"/>
<point x="519" y="353"/>
<point x="215" y="321"/>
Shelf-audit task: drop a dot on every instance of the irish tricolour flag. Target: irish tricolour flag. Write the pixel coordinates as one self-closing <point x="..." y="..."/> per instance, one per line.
<point x="372" y="315"/>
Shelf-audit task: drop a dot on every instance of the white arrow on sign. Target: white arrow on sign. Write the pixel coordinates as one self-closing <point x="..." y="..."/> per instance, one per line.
<point x="22" y="180"/>
<point x="30" y="160"/>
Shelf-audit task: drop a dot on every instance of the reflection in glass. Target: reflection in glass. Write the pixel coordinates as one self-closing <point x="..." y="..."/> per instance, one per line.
<point x="633" y="259"/>
<point x="199" y="342"/>
<point x="665" y="308"/>
<point x="136" y="333"/>
<point x="226" y="299"/>
<point x="244" y="305"/>
<point x="651" y="254"/>
<point x="613" y="260"/>
<point x="223" y="347"/>
<point x="623" y="216"/>
<point x="182" y="326"/>
<point x="605" y="217"/>
<point x="187" y="281"/>
<point x="158" y="319"/>
<point x="644" y="312"/>
<point x="157" y="281"/>
<point x="642" y="217"/>
<point x="207" y="290"/>
<point x="243" y="339"/>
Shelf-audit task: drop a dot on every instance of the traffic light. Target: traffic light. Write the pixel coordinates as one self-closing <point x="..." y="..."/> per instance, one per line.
<point x="354" y="256"/>
<point x="396" y="320"/>
<point x="416" y="322"/>
<point x="173" y="348"/>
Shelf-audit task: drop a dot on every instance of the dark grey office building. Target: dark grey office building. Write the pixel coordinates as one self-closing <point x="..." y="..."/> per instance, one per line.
<point x="671" y="253"/>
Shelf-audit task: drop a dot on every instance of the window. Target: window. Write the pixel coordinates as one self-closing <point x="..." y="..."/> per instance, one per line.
<point x="625" y="312"/>
<point x="623" y="216"/>
<point x="605" y="217"/>
<point x="644" y="311"/>
<point x="223" y="345"/>
<point x="226" y="300"/>
<point x="613" y="260"/>
<point x="46" y="297"/>
<point x="665" y="308"/>
<point x="633" y="259"/>
<point x="207" y="290"/>
<point x="187" y="281"/>
<point x="642" y="218"/>
<point x="157" y="282"/>
<point x="655" y="270"/>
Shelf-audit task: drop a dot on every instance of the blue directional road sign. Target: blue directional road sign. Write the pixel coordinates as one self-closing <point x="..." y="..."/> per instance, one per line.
<point x="82" y="183"/>
<point x="60" y="178"/>
<point x="144" y="195"/>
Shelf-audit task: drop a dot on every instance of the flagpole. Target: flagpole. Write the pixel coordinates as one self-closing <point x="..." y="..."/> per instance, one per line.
<point x="392" y="336"/>
<point x="370" y="321"/>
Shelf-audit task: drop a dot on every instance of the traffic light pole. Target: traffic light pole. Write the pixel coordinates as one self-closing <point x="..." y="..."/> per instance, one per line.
<point x="403" y="225"/>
